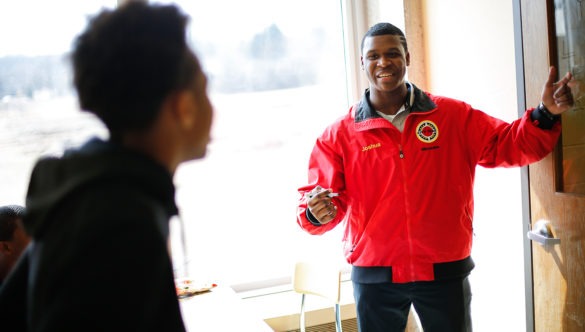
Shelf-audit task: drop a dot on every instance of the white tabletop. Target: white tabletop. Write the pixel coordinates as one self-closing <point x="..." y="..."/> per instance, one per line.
<point x="220" y="310"/>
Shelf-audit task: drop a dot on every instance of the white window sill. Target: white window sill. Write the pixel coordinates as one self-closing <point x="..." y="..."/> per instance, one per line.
<point x="279" y="306"/>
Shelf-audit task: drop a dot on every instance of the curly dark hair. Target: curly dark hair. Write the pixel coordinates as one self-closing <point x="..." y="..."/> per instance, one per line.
<point x="129" y="60"/>
<point x="380" y="29"/>
<point x="9" y="214"/>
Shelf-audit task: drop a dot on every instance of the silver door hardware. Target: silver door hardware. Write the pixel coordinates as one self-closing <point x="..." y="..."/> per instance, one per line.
<point x="541" y="233"/>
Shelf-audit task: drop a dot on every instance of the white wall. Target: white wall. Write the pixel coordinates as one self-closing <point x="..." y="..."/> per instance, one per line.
<point x="470" y="55"/>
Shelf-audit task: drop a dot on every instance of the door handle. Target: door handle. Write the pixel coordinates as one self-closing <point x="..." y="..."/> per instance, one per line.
<point x="542" y="234"/>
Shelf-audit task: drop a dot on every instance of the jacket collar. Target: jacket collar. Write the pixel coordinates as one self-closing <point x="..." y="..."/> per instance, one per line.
<point x="421" y="103"/>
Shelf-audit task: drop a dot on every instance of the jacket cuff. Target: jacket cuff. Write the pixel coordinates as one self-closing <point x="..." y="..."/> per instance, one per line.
<point x="543" y="118"/>
<point x="312" y="218"/>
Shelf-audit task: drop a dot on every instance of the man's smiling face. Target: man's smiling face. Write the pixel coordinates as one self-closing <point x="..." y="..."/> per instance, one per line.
<point x="384" y="61"/>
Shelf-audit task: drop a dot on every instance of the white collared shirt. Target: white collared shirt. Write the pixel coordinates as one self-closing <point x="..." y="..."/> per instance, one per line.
<point x="397" y="119"/>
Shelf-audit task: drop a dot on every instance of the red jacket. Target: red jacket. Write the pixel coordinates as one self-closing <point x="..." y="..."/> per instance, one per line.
<point x="406" y="199"/>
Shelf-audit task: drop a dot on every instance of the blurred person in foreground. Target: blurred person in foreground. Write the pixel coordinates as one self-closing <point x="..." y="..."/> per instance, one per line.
<point x="99" y="214"/>
<point x="402" y="162"/>
<point x="13" y="238"/>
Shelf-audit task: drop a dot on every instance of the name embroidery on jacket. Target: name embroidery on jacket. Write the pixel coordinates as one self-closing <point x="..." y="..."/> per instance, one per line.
<point x="371" y="146"/>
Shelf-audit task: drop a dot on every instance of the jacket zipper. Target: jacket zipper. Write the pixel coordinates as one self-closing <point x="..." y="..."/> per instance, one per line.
<point x="407" y="216"/>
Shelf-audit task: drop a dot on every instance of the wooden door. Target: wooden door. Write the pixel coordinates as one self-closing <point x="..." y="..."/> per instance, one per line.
<point x="553" y="33"/>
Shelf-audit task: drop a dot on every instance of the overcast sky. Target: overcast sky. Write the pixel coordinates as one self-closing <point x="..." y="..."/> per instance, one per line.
<point x="42" y="27"/>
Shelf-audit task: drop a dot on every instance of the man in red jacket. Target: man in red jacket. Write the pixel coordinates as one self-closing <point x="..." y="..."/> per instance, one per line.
<point x="398" y="171"/>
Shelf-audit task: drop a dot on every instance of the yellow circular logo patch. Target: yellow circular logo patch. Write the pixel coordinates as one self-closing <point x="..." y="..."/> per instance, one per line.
<point x="427" y="131"/>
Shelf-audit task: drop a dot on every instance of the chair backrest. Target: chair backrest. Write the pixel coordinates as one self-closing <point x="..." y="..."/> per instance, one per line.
<point x="317" y="279"/>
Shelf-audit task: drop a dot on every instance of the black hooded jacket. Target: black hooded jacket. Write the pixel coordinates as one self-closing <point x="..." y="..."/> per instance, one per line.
<point x="98" y="261"/>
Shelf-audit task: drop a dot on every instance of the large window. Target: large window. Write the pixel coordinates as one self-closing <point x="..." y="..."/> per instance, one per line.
<point x="277" y="78"/>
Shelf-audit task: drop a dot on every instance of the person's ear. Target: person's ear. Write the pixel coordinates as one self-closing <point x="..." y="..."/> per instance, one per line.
<point x="407" y="59"/>
<point x="185" y="108"/>
<point x="362" y="61"/>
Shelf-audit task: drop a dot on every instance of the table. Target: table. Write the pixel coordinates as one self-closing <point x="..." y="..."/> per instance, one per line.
<point x="220" y="310"/>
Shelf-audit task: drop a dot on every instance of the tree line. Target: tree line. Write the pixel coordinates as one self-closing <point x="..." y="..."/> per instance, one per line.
<point x="268" y="61"/>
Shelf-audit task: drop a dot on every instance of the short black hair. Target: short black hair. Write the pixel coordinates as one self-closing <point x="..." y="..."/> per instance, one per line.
<point x="9" y="215"/>
<point x="128" y="60"/>
<point x="384" y="28"/>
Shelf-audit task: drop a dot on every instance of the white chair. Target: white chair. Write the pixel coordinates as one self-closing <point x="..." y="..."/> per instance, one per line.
<point x="318" y="279"/>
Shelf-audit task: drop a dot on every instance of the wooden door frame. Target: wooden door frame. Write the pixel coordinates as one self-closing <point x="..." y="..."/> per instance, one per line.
<point x="527" y="99"/>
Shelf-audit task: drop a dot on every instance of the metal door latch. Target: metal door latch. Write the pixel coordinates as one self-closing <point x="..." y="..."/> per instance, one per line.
<point x="541" y="233"/>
